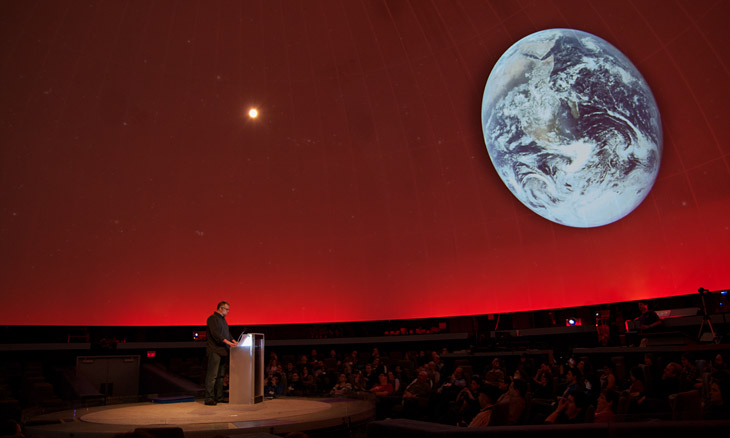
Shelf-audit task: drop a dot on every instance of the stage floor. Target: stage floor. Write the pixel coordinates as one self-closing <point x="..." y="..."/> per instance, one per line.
<point x="278" y="416"/>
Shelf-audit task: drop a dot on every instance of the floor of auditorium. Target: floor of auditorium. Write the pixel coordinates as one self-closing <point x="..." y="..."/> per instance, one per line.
<point x="277" y="416"/>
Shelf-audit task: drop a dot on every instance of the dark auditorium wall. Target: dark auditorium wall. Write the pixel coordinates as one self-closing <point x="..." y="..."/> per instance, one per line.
<point x="135" y="190"/>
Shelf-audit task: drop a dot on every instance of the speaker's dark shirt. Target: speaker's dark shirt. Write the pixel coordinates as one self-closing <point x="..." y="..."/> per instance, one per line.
<point x="217" y="332"/>
<point x="647" y="318"/>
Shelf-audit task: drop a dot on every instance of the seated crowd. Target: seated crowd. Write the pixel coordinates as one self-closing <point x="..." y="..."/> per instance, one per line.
<point x="421" y="386"/>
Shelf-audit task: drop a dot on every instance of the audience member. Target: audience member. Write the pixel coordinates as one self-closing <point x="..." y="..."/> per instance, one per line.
<point x="416" y="395"/>
<point x="273" y="367"/>
<point x="467" y="404"/>
<point x="487" y="401"/>
<point x="495" y="375"/>
<point x="303" y="363"/>
<point x="273" y="387"/>
<point x="383" y="391"/>
<point x="289" y="370"/>
<point x="652" y="375"/>
<point x="719" y="406"/>
<point x="606" y="407"/>
<point x="422" y="359"/>
<point x="438" y="363"/>
<point x="719" y="365"/>
<point x="308" y="382"/>
<point x="608" y="378"/>
<point x="399" y="373"/>
<point x="313" y="358"/>
<point x="420" y="387"/>
<point x="335" y="356"/>
<point x="592" y="389"/>
<point x="357" y="381"/>
<point x="570" y="410"/>
<point x="526" y="366"/>
<point x="412" y="357"/>
<point x="670" y="383"/>
<point x="515" y="400"/>
<point x="453" y="385"/>
<point x="379" y="367"/>
<point x="433" y="374"/>
<point x="295" y="385"/>
<point x="395" y="381"/>
<point x="543" y="382"/>
<point x="689" y="374"/>
<point x="349" y="364"/>
<point x="383" y="388"/>
<point x="342" y="387"/>
<point x="637" y="395"/>
<point x="369" y="377"/>
<point x="573" y="381"/>
<point x="321" y="378"/>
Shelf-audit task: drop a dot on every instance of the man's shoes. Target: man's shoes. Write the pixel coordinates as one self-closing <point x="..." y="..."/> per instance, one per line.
<point x="210" y="403"/>
<point x="223" y="400"/>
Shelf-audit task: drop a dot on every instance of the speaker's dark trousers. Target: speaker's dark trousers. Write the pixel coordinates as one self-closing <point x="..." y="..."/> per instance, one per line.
<point x="217" y="366"/>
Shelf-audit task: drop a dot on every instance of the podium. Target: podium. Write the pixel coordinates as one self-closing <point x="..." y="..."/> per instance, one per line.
<point x="246" y="378"/>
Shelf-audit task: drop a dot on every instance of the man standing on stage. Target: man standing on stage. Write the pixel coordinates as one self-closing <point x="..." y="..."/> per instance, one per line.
<point x="219" y="341"/>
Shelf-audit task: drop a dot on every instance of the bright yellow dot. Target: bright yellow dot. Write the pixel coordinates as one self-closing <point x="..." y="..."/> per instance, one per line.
<point x="253" y="113"/>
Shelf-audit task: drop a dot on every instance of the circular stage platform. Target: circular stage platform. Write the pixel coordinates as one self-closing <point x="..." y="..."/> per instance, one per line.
<point x="278" y="416"/>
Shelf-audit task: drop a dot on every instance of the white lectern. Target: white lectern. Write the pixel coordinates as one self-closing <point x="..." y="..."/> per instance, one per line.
<point x="246" y="383"/>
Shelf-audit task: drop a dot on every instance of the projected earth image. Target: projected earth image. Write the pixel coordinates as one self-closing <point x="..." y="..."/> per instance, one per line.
<point x="572" y="128"/>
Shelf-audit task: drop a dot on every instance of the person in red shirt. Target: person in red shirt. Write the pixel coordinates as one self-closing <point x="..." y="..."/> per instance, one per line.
<point x="606" y="409"/>
<point x="383" y="388"/>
